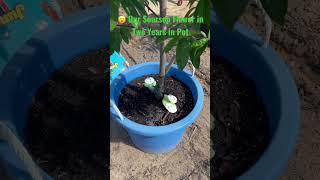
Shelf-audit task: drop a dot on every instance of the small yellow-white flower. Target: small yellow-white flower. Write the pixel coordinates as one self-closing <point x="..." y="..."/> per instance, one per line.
<point x="150" y="83"/>
<point x="169" y="102"/>
<point x="172" y="98"/>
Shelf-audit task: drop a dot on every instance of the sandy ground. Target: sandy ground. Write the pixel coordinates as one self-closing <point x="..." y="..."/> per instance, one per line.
<point x="190" y="160"/>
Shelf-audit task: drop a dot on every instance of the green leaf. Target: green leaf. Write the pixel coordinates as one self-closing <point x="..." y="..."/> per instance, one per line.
<point x="139" y="6"/>
<point x="182" y="57"/>
<point x="191" y="2"/>
<point x="125" y="5"/>
<point x="171" y="44"/>
<point x="199" y="43"/>
<point x="125" y="34"/>
<point x="229" y="11"/>
<point x="160" y="39"/>
<point x="114" y="10"/>
<point x="276" y="9"/>
<point x="129" y="7"/>
<point x="195" y="61"/>
<point x="203" y="10"/>
<point x="134" y="7"/>
<point x="197" y="49"/>
<point x="113" y="24"/>
<point x="136" y="24"/>
<point x="115" y="40"/>
<point x="190" y="12"/>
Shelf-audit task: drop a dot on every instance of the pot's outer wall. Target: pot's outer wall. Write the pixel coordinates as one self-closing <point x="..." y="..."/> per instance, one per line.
<point x="33" y="64"/>
<point x="274" y="84"/>
<point x="156" y="139"/>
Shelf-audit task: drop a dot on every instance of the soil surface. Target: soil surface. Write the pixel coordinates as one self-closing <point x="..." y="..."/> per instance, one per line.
<point x="241" y="129"/>
<point x="66" y="128"/>
<point x="139" y="104"/>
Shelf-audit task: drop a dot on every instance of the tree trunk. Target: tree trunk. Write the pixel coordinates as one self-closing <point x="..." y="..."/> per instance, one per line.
<point x="163" y="13"/>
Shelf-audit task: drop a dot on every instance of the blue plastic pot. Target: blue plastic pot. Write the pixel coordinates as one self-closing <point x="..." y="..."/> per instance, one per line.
<point x="274" y="83"/>
<point x="156" y="139"/>
<point x="33" y="64"/>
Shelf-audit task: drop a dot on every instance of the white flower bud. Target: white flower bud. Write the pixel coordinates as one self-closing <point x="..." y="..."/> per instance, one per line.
<point x="172" y="98"/>
<point x="171" y="107"/>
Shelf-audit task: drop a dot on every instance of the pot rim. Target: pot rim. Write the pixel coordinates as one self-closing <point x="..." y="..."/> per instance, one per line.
<point x="160" y="130"/>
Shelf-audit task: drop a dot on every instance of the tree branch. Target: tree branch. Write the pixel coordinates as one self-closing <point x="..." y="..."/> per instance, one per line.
<point x="163" y="13"/>
<point x="149" y="9"/>
<point x="170" y="63"/>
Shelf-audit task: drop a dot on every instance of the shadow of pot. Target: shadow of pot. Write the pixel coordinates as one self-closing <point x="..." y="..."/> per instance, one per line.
<point x="156" y="139"/>
<point x="275" y="85"/>
<point x="33" y="64"/>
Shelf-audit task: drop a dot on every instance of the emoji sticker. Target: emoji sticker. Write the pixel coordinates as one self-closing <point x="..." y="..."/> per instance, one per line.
<point x="121" y="19"/>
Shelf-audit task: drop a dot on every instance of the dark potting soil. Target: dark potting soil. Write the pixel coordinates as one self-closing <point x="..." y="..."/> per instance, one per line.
<point x="241" y="130"/>
<point x="67" y="129"/>
<point x="139" y="104"/>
